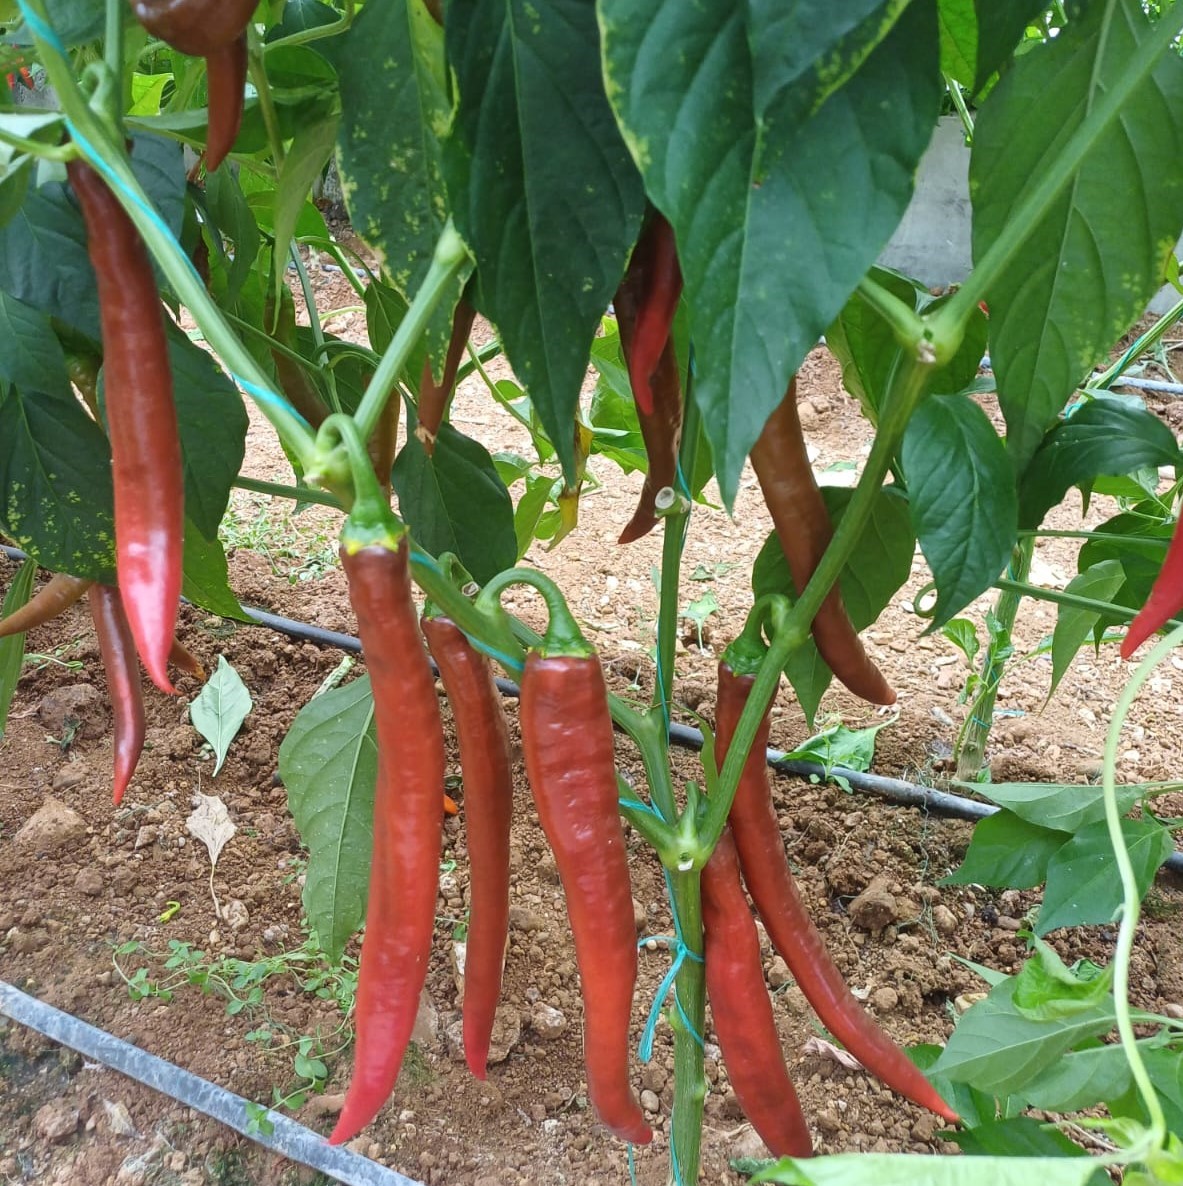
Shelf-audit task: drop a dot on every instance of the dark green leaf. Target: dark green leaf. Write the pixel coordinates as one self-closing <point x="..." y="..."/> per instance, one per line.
<point x="903" y="1169"/>
<point x="1020" y="1136"/>
<point x="74" y="22"/>
<point x="306" y="158"/>
<point x="454" y="501"/>
<point x="385" y="309"/>
<point x="962" y="494"/>
<point x="979" y="36"/>
<point x="55" y="475"/>
<point x="545" y="193"/>
<point x="12" y="648"/>
<point x="724" y="126"/>
<point x="299" y="15"/>
<point x="1083" y="885"/>
<point x="1073" y="625"/>
<point x="30" y="353"/>
<point x="1007" y="852"/>
<point x="1104" y="436"/>
<point x="1092" y="263"/>
<point x="206" y="580"/>
<point x="1081" y="1079"/>
<point x="231" y="218"/>
<point x="329" y="764"/>
<point x="1063" y="807"/>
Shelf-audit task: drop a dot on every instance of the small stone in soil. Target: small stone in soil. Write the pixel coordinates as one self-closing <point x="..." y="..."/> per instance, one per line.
<point x="51" y="827"/>
<point x="55" y="1121"/>
<point x="89" y="881"/>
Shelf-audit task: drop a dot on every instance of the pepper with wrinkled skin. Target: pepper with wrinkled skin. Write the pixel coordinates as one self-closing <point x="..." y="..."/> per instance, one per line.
<point x="58" y="594"/>
<point x="141" y="421"/>
<point x="123" y="682"/>
<point x="803" y="528"/>
<point x="487" y="768"/>
<point x="742" y="1012"/>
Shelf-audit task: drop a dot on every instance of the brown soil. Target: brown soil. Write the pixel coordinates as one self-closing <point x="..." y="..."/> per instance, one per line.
<point x="67" y="902"/>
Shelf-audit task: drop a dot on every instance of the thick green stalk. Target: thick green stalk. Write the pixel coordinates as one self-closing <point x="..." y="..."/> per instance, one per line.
<point x="258" y="72"/>
<point x="1049" y="182"/>
<point x="296" y="493"/>
<point x="1108" y="609"/>
<point x="113" y="41"/>
<point x="970" y="751"/>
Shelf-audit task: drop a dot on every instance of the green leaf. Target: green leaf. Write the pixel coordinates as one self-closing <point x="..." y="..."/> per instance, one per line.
<point x="1046" y="988"/>
<point x="904" y="1169"/>
<point x="545" y="192"/>
<point x="1073" y="625"/>
<point x="385" y="309"/>
<point x="395" y="109"/>
<point x="12" y="648"/>
<point x="74" y="22"/>
<point x="454" y="501"/>
<point x="329" y="764"/>
<point x="881" y="563"/>
<point x="1103" y="436"/>
<point x="996" y="1048"/>
<point x="30" y="354"/>
<point x="839" y="746"/>
<point x="1007" y="852"/>
<point x="1081" y="1079"/>
<point x="1063" y="807"/>
<point x="1019" y="1136"/>
<point x="979" y="36"/>
<point x="231" y="218"/>
<point x="962" y="495"/>
<point x="1091" y="265"/>
<point x="963" y="634"/>
<point x="732" y="123"/>
<point x="219" y="709"/>
<point x="529" y="510"/>
<point x="205" y="576"/>
<point x="299" y="15"/>
<point x="55" y="479"/>
<point x="1083" y="885"/>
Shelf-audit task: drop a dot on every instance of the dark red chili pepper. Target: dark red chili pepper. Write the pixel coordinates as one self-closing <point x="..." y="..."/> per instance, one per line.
<point x="404" y="873"/>
<point x="661" y="428"/>
<point x="1164" y="602"/>
<point x="656" y="305"/>
<point x="123" y="682"/>
<point x="803" y="527"/>
<point x="294" y="380"/>
<point x="141" y="421"/>
<point x="214" y="30"/>
<point x="180" y="656"/>
<point x="770" y="882"/>
<point x="742" y="1011"/>
<point x="433" y="396"/>
<point x="58" y="594"/>
<point x="487" y="768"/>
<point x="568" y="747"/>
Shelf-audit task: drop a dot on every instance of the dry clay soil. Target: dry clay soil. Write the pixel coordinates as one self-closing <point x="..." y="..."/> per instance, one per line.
<point x="87" y="877"/>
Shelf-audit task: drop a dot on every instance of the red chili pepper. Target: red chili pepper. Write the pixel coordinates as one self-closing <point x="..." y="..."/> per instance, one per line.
<point x="226" y="70"/>
<point x="1164" y="602"/>
<point x="742" y="1011"/>
<point x="123" y="682"/>
<point x="142" y="422"/>
<point x="770" y="882"/>
<point x="404" y="873"/>
<point x="661" y="428"/>
<point x="487" y="768"/>
<point x="57" y="595"/>
<point x="433" y="396"/>
<point x="568" y="746"/>
<point x="803" y="527"/>
<point x="657" y="303"/>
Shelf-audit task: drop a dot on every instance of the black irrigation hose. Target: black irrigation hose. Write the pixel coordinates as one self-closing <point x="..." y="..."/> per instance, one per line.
<point x="263" y="1126"/>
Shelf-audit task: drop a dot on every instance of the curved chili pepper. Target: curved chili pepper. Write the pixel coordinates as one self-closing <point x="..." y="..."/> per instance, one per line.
<point x="214" y="30"/>
<point x="181" y="656"/>
<point x="803" y="527"/>
<point x="568" y="747"/>
<point x="742" y="1011"/>
<point x="661" y="427"/>
<point x="487" y="768"/>
<point x="142" y="423"/>
<point x="774" y="891"/>
<point x="408" y="830"/>
<point x="433" y="396"/>
<point x="58" y="594"/>
<point x="1164" y="602"/>
<point x="656" y="305"/>
<point x="123" y="682"/>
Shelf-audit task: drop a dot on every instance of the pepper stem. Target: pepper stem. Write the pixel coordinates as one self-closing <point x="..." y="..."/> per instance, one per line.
<point x="371" y="522"/>
<point x="745" y="653"/>
<point x="563" y="636"/>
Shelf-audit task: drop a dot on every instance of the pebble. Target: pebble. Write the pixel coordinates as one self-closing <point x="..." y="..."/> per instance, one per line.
<point x="521" y="919"/>
<point x="944" y="919"/>
<point x="70" y="776"/>
<point x="778" y="973"/>
<point x="52" y="827"/>
<point x="1171" y="1009"/>
<point x="885" y="999"/>
<point x="650" y="1102"/>
<point x="875" y="907"/>
<point x="89" y="881"/>
<point x="427" y="1022"/>
<point x="56" y="1121"/>
<point x="547" y="1022"/>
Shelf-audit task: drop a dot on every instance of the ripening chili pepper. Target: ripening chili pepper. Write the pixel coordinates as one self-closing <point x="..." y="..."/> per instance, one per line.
<point x="123" y="682"/>
<point x="214" y="30"/>
<point x="803" y="528"/>
<point x="487" y="768"/>
<point x="404" y="870"/>
<point x="661" y="428"/>
<point x="657" y="303"/>
<point x="141" y="422"/>
<point x="1164" y="602"/>
<point x="433" y="396"/>
<point x="742" y="1011"/>
<point x="568" y="747"/>
<point x="180" y="656"/>
<point x="774" y="891"/>
<point x="294" y="380"/>
<point x="58" y="594"/>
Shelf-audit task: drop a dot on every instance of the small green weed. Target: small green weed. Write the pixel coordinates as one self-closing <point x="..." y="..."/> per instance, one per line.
<point x="255" y="523"/>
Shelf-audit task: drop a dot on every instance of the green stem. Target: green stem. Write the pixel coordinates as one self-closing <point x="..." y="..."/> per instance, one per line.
<point x="1144" y="342"/>
<point x="297" y="493"/>
<point x="450" y="258"/>
<point x="113" y="40"/>
<point x="1106" y="609"/>
<point x="1105" y="536"/>
<point x="314" y="322"/>
<point x="45" y="152"/>
<point x="970" y="751"/>
<point x="315" y="32"/>
<point x="477" y="359"/>
<point x="112" y="162"/>
<point x="690" y="1085"/>
<point x="266" y="101"/>
<point x="1048" y="183"/>
<point x="476" y="363"/>
<point x="1131" y="896"/>
<point x="967" y="120"/>
<point x="907" y="325"/>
